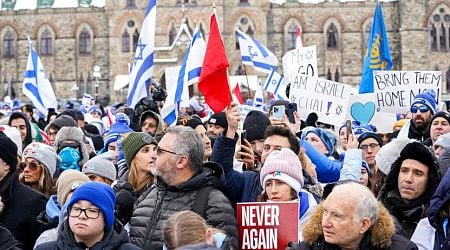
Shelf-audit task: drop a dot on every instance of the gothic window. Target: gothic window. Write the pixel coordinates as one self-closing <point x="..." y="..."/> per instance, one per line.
<point x="81" y="84"/>
<point x="329" y="74"/>
<point x="135" y="40"/>
<point x="250" y="31"/>
<point x="125" y="41"/>
<point x="246" y="25"/>
<point x="131" y="3"/>
<point x="336" y="75"/>
<point x="46" y="43"/>
<point x="202" y="31"/>
<point x="8" y="45"/>
<point x="85" y="42"/>
<point x="291" y="36"/>
<point x="332" y="36"/>
<point x="439" y="27"/>
<point x="172" y="34"/>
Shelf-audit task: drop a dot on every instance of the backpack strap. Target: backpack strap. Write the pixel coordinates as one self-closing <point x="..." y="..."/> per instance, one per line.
<point x="201" y="201"/>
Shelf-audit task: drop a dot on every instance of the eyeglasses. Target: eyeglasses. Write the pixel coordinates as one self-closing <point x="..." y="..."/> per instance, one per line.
<point x="159" y="151"/>
<point x="371" y="146"/>
<point x="422" y="109"/>
<point x="91" y="213"/>
<point x="32" y="165"/>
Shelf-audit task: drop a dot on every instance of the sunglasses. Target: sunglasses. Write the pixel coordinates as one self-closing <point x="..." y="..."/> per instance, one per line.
<point x="422" y="109"/>
<point x="32" y="165"/>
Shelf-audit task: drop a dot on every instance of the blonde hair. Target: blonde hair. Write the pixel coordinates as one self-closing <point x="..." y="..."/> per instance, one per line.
<point x="184" y="228"/>
<point x="45" y="182"/>
<point x="133" y="178"/>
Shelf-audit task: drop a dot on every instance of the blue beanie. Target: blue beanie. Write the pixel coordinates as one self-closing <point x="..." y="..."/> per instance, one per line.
<point x="325" y="136"/>
<point x="96" y="109"/>
<point x="121" y="125"/>
<point x="428" y="98"/>
<point x="100" y="195"/>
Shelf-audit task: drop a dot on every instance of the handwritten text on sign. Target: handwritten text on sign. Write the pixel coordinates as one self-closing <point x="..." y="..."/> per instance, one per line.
<point x="299" y="61"/>
<point x="267" y="225"/>
<point x="326" y="98"/>
<point x="395" y="90"/>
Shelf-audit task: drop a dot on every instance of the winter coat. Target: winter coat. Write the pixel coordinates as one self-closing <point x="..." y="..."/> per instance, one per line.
<point x="7" y="240"/>
<point x="116" y="238"/>
<point x="327" y="169"/>
<point x="49" y="218"/>
<point x="22" y="206"/>
<point x="155" y="206"/>
<point x="435" y="227"/>
<point x="240" y="186"/>
<point x="380" y="236"/>
<point x="410" y="131"/>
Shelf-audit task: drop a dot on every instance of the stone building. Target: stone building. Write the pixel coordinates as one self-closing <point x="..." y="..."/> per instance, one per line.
<point x="73" y="36"/>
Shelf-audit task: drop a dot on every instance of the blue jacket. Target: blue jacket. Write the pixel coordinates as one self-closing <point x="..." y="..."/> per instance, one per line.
<point x="328" y="170"/>
<point x="240" y="187"/>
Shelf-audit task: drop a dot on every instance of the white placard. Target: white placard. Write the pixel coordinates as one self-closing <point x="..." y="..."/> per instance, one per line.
<point x="301" y="61"/>
<point x="395" y="90"/>
<point x="326" y="98"/>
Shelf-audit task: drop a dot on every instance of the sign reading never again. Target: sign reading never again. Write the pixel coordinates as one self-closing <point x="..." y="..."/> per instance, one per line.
<point x="395" y="90"/>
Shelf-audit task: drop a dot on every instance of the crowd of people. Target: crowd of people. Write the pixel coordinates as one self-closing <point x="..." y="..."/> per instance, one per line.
<point x="123" y="179"/>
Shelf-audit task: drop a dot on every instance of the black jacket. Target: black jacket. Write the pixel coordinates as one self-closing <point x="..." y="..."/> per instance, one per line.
<point x="22" y="206"/>
<point x="114" y="239"/>
<point x="155" y="206"/>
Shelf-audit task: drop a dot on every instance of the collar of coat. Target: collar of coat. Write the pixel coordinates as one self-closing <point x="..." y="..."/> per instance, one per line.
<point x="381" y="231"/>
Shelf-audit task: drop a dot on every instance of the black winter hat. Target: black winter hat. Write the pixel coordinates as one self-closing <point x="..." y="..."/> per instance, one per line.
<point x="367" y="135"/>
<point x="8" y="151"/>
<point x="190" y="121"/>
<point x="443" y="114"/>
<point x="255" y="125"/>
<point x="219" y="119"/>
<point x="63" y="121"/>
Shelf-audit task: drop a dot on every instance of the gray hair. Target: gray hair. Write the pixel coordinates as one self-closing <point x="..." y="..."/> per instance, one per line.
<point x="367" y="204"/>
<point x="189" y="143"/>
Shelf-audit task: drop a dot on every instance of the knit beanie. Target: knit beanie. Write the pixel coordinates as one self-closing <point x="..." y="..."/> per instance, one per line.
<point x="219" y="119"/>
<point x="255" y="125"/>
<point x="390" y="152"/>
<point x="68" y="134"/>
<point x="328" y="139"/>
<point x="43" y="153"/>
<point x="63" y="121"/>
<point x="101" y="167"/>
<point x="8" y="151"/>
<point x="190" y="121"/>
<point x="68" y="181"/>
<point x="283" y="165"/>
<point x="443" y="141"/>
<point x="428" y="98"/>
<point x="443" y="114"/>
<point x="121" y="125"/>
<point x="95" y="109"/>
<point x="100" y="195"/>
<point x="134" y="142"/>
<point x="368" y="135"/>
<point x="14" y="135"/>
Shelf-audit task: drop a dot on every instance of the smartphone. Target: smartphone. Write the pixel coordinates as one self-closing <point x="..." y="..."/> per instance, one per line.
<point x="278" y="112"/>
<point x="292" y="107"/>
<point x="348" y="128"/>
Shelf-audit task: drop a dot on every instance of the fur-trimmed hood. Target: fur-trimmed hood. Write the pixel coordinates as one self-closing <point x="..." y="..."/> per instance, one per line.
<point x="381" y="231"/>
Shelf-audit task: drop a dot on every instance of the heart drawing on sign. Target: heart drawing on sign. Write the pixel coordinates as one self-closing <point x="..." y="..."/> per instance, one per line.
<point x="363" y="112"/>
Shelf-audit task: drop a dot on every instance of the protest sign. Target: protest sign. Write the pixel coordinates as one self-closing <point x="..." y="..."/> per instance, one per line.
<point x="395" y="90"/>
<point x="361" y="107"/>
<point x="326" y="98"/>
<point x="301" y="61"/>
<point x="245" y="109"/>
<point x="263" y="225"/>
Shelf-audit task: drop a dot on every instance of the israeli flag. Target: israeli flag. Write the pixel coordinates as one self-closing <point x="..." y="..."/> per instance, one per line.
<point x="36" y="86"/>
<point x="275" y="84"/>
<point x="253" y="53"/>
<point x="142" y="67"/>
<point x="258" y="100"/>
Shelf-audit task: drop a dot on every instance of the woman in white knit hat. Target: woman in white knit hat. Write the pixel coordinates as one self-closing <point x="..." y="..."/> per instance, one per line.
<point x="282" y="180"/>
<point x="38" y="166"/>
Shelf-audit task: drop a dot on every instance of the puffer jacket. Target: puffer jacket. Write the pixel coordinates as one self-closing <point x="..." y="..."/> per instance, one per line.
<point x="114" y="239"/>
<point x="155" y="206"/>
<point x="381" y="236"/>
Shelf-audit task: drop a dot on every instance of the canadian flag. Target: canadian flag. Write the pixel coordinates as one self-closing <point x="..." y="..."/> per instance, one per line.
<point x="298" y="38"/>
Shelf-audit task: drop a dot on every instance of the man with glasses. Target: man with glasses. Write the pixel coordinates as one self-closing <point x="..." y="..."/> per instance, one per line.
<point x="370" y="143"/>
<point x="91" y="221"/>
<point x="182" y="179"/>
<point x="423" y="107"/>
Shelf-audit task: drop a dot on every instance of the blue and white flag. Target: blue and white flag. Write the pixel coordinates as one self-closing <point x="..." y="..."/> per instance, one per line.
<point x="253" y="53"/>
<point x="142" y="67"/>
<point x="275" y="84"/>
<point x="378" y="53"/>
<point x="258" y="100"/>
<point x="36" y="86"/>
<point x="189" y="74"/>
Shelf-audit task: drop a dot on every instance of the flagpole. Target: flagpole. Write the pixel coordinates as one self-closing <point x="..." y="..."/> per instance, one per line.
<point x="249" y="92"/>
